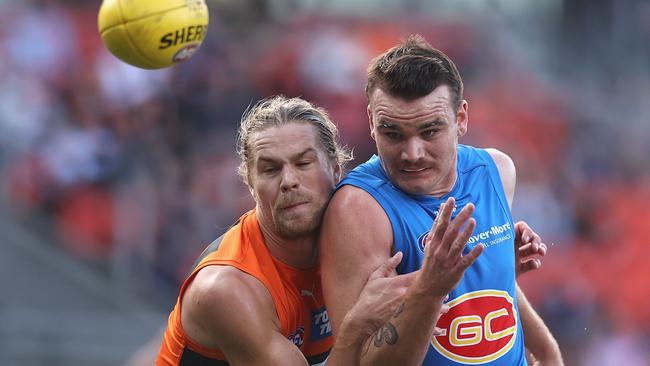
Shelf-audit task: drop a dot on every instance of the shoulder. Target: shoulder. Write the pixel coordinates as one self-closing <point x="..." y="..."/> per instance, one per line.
<point x="222" y="302"/>
<point x="351" y="203"/>
<point x="349" y="194"/>
<point x="354" y="226"/>
<point x="218" y="283"/>
<point x="367" y="174"/>
<point x="501" y="159"/>
<point x="507" y="171"/>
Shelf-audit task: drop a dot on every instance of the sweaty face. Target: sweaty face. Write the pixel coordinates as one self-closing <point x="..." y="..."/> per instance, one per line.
<point x="417" y="140"/>
<point x="290" y="178"/>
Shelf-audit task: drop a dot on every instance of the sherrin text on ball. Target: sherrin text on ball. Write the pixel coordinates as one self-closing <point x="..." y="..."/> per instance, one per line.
<point x="153" y="34"/>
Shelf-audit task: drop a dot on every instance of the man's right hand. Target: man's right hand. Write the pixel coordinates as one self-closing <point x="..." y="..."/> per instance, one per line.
<point x="405" y="337"/>
<point x="443" y="264"/>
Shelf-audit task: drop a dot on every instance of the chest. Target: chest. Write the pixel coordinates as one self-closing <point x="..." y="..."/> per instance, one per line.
<point x="494" y="229"/>
<point x="308" y="322"/>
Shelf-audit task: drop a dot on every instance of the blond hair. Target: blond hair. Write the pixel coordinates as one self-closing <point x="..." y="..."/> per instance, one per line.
<point x="279" y="110"/>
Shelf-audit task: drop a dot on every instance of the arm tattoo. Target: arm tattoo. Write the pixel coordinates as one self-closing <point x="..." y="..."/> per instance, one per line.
<point x="398" y="311"/>
<point x="388" y="333"/>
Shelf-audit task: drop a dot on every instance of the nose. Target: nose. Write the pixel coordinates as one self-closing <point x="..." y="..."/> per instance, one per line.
<point x="289" y="179"/>
<point x="413" y="150"/>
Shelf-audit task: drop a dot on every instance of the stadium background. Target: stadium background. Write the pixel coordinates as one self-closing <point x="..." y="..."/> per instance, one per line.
<point x="113" y="179"/>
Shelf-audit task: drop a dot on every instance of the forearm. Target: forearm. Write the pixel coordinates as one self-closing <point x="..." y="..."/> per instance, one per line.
<point x="537" y="337"/>
<point x="405" y="338"/>
<point x="347" y="344"/>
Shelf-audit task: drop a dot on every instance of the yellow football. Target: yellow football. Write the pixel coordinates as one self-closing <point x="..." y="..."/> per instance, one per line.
<point x="153" y="34"/>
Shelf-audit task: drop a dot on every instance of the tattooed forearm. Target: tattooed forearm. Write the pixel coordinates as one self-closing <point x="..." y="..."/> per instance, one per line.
<point x="388" y="333"/>
<point x="399" y="310"/>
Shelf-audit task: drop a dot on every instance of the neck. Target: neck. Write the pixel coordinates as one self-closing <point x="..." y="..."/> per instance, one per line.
<point x="301" y="252"/>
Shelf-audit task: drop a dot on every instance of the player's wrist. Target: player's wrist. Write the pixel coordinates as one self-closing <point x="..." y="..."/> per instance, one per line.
<point x="358" y="324"/>
<point x="352" y="333"/>
<point x="423" y="290"/>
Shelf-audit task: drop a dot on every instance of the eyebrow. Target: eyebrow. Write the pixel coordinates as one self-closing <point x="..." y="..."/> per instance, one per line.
<point x="382" y="123"/>
<point x="437" y="123"/>
<point x="388" y="125"/>
<point x="294" y="157"/>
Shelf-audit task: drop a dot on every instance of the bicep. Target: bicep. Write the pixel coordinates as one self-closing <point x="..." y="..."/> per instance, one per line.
<point x="232" y="311"/>
<point x="356" y="238"/>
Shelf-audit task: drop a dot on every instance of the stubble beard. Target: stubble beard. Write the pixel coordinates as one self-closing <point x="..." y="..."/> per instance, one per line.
<point x="300" y="226"/>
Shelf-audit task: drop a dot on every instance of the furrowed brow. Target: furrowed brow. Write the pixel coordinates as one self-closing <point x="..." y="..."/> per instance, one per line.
<point x="266" y="159"/>
<point x="386" y="125"/>
<point x="437" y="123"/>
<point x="302" y="154"/>
<point x="273" y="160"/>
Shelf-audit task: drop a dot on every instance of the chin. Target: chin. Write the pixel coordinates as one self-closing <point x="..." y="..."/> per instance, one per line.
<point x="298" y="227"/>
<point x="414" y="189"/>
<point x="296" y="231"/>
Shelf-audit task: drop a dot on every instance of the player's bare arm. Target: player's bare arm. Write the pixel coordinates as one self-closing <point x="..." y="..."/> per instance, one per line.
<point x="528" y="248"/>
<point x="355" y="217"/>
<point x="355" y="238"/>
<point x="227" y="309"/>
<point x="230" y="310"/>
<point x="539" y="340"/>
<point x="381" y="296"/>
<point x="528" y="245"/>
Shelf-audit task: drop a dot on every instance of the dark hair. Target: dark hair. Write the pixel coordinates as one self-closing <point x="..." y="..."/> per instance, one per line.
<point x="413" y="69"/>
<point x="279" y="110"/>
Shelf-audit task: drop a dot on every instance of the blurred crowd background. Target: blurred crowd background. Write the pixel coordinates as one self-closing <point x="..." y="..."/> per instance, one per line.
<point x="113" y="179"/>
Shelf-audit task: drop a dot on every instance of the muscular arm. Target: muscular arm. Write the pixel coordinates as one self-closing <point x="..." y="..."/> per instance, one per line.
<point x="538" y="338"/>
<point x="230" y="310"/>
<point x="227" y="309"/>
<point x="378" y="301"/>
<point x="356" y="235"/>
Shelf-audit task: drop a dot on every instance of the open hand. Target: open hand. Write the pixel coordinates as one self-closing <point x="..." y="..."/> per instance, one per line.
<point x="443" y="264"/>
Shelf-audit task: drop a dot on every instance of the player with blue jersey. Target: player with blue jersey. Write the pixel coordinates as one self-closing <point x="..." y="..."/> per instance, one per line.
<point x="390" y="203"/>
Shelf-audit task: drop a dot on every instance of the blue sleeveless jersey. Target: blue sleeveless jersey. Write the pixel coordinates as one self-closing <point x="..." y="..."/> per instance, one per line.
<point x="482" y="326"/>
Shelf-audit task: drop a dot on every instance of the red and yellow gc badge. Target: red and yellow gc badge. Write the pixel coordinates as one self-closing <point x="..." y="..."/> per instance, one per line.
<point x="479" y="327"/>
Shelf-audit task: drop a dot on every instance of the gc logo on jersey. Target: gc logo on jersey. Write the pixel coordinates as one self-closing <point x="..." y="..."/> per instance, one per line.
<point x="422" y="240"/>
<point x="479" y="327"/>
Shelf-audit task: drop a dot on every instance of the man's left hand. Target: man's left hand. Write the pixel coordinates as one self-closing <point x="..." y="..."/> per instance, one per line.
<point x="528" y="249"/>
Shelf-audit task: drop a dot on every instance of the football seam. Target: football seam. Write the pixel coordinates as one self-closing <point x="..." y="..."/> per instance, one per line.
<point x="123" y="19"/>
<point x="148" y="15"/>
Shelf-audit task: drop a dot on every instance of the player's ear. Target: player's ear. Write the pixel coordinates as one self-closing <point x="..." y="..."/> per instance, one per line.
<point x="372" y="125"/>
<point x="249" y="184"/>
<point x="337" y="173"/>
<point x="462" y="117"/>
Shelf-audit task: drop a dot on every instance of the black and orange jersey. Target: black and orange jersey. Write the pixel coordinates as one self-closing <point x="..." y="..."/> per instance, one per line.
<point x="296" y="294"/>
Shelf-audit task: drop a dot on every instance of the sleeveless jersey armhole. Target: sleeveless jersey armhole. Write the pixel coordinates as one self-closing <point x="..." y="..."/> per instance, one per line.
<point x="495" y="179"/>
